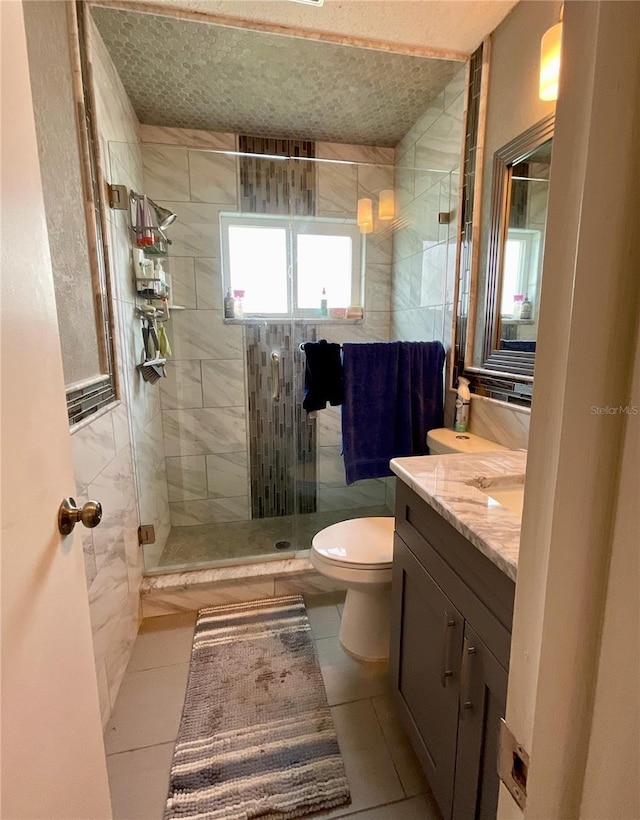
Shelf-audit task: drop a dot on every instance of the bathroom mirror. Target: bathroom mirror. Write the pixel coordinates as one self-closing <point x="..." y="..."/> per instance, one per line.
<point x="507" y="327"/>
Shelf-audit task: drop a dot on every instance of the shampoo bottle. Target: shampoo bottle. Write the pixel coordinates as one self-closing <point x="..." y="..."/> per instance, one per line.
<point x="324" y="309"/>
<point x="229" y="305"/>
<point x="239" y="303"/>
<point x="463" y="401"/>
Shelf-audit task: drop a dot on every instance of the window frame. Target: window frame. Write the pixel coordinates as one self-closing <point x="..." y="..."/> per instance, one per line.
<point x="294" y="227"/>
<point x="531" y="241"/>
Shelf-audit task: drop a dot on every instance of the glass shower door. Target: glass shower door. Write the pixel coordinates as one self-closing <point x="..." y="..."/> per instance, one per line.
<point x="250" y="476"/>
<point x="354" y="271"/>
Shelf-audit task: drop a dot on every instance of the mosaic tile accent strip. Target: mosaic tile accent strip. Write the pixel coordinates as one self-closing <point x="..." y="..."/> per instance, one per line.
<point x="466" y="228"/>
<point x="275" y="187"/>
<point x="282" y="442"/>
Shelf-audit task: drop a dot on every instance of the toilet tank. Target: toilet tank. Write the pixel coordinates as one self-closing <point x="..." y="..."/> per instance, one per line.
<point x="443" y="441"/>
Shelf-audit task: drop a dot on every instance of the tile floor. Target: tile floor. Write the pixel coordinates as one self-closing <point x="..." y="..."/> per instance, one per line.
<point x="385" y="779"/>
<point x="220" y="544"/>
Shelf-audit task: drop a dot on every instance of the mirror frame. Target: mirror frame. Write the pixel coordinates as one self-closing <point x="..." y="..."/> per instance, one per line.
<point x="507" y="373"/>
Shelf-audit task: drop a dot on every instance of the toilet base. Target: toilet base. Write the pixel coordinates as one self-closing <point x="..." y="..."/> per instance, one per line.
<point x="364" y="630"/>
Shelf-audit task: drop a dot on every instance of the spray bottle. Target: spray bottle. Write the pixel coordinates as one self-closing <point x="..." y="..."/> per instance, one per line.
<point x="324" y="309"/>
<point x="463" y="401"/>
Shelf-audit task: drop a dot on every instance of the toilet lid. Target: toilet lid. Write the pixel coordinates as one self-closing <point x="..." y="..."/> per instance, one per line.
<point x="359" y="541"/>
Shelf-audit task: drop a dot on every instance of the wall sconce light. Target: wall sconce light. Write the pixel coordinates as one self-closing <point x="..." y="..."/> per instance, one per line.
<point x="365" y="215"/>
<point x="387" y="204"/>
<point x="550" y="54"/>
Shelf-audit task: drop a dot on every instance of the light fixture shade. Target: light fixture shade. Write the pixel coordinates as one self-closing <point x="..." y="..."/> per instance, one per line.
<point x="550" y="53"/>
<point x="387" y="204"/>
<point x="365" y="215"/>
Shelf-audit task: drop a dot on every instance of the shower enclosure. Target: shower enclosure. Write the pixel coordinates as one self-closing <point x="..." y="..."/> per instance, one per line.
<point x="249" y="475"/>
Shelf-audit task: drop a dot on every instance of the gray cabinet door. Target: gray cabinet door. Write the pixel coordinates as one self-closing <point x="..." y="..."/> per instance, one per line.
<point x="483" y="695"/>
<point x="427" y="633"/>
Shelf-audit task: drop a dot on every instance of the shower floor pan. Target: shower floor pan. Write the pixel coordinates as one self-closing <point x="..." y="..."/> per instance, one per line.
<point x="239" y="542"/>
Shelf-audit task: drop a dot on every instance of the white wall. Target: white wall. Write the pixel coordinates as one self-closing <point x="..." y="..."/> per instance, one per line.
<point x="570" y="582"/>
<point x="614" y="744"/>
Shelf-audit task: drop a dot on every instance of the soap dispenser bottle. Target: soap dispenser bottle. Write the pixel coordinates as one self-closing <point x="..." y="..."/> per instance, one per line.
<point x="463" y="400"/>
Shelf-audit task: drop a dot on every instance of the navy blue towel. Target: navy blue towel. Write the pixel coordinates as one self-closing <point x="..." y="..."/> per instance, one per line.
<point x="518" y="344"/>
<point x="393" y="395"/>
<point x="322" y="375"/>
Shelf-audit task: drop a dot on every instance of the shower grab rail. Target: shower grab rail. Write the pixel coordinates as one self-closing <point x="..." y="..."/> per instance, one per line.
<point x="275" y="373"/>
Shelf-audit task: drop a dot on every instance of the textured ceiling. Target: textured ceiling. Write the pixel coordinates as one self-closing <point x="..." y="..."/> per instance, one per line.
<point x="457" y="25"/>
<point x="190" y="74"/>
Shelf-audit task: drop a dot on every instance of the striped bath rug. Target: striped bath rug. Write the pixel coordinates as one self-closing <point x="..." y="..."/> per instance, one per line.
<point x="256" y="739"/>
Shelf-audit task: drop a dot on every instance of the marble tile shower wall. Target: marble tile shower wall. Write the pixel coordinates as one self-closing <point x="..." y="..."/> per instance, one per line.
<point x="102" y="446"/>
<point x="424" y="251"/>
<point x="427" y="176"/>
<point x="204" y="398"/>
<point x="339" y="188"/>
<point x="423" y="282"/>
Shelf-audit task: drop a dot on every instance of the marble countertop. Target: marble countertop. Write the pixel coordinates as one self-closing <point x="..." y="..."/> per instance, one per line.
<point x="451" y="485"/>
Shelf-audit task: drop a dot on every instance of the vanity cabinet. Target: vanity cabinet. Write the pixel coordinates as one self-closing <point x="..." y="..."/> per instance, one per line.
<point x="450" y="638"/>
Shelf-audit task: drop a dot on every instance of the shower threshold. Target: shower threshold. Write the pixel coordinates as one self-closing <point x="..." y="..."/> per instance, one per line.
<point x="241" y="542"/>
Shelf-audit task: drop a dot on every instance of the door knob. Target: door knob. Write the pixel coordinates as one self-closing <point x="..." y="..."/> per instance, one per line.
<point x="69" y="514"/>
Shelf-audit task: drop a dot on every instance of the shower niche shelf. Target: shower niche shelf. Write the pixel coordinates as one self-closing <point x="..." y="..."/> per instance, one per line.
<point x="152" y="288"/>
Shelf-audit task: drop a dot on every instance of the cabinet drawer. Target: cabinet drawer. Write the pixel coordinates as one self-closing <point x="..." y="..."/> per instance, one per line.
<point x="480" y="590"/>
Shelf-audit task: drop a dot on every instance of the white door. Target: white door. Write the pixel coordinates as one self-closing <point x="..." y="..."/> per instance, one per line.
<point x="53" y="763"/>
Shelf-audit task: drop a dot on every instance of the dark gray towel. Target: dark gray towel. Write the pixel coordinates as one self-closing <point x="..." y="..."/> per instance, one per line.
<point x="322" y="375"/>
<point x="393" y="395"/>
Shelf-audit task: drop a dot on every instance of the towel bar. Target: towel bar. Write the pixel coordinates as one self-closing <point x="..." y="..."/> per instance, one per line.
<point x="302" y="344"/>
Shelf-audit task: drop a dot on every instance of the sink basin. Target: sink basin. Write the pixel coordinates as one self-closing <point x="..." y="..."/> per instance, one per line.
<point x="503" y="491"/>
<point x="512" y="499"/>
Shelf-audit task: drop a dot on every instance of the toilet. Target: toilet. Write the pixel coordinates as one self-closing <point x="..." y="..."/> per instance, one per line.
<point x="359" y="554"/>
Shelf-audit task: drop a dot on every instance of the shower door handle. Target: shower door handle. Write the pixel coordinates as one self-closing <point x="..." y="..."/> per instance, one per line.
<point x="275" y="373"/>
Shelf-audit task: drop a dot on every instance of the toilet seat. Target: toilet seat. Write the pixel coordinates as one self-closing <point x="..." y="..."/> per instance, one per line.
<point x="359" y="543"/>
<point x="349" y="574"/>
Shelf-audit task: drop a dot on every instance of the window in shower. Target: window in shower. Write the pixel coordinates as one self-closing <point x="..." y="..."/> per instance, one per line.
<point x="261" y="253"/>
